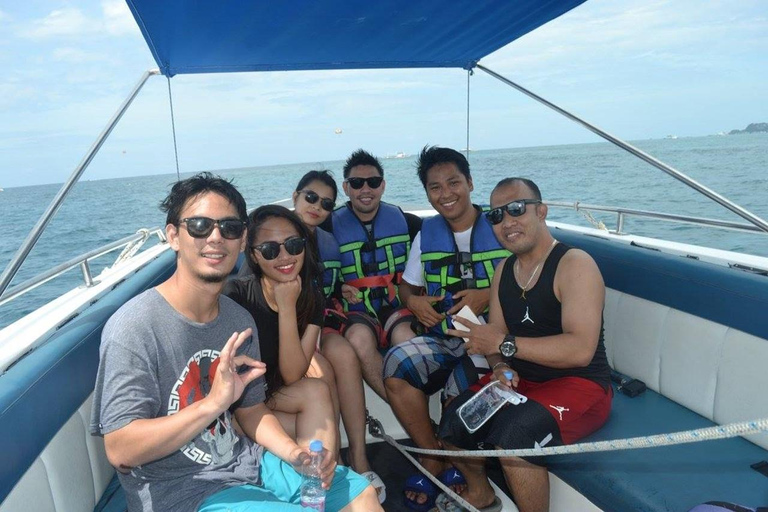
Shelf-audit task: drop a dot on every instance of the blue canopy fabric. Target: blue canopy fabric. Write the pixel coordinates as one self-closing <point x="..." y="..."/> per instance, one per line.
<point x="216" y="36"/>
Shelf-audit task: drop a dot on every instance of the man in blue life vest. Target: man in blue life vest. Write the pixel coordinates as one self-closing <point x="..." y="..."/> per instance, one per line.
<point x="374" y="239"/>
<point x="450" y="266"/>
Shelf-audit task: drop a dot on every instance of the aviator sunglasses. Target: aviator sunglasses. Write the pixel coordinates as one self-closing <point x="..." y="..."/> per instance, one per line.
<point x="515" y="209"/>
<point x="357" y="183"/>
<point x="312" y="197"/>
<point x="271" y="250"/>
<point x="202" y="227"/>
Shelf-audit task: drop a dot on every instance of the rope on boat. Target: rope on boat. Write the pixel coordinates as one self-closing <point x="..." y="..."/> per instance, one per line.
<point x="597" y="224"/>
<point x="376" y="429"/>
<point x="689" y="436"/>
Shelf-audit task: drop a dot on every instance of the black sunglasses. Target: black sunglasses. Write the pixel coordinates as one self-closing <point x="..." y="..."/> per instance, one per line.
<point x="271" y="250"/>
<point x="357" y="183"/>
<point x="515" y="209"/>
<point x="202" y="227"/>
<point x="328" y="204"/>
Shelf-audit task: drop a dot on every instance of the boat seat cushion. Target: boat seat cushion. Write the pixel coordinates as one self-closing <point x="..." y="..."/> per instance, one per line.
<point x="113" y="499"/>
<point x="52" y="463"/>
<point x="674" y="478"/>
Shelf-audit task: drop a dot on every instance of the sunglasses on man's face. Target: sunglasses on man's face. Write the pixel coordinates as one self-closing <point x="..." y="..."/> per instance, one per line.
<point x="515" y="209"/>
<point x="271" y="250"/>
<point x="202" y="227"/>
<point x="357" y="183"/>
<point x="326" y="203"/>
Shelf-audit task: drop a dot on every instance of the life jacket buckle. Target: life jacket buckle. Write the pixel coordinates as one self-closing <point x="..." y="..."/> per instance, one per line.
<point x="378" y="293"/>
<point x="368" y="246"/>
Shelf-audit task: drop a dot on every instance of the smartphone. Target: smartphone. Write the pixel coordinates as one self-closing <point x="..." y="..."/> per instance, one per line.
<point x="467" y="314"/>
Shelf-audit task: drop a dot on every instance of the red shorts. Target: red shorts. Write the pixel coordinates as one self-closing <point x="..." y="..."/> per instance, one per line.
<point x="579" y="406"/>
<point x="558" y="411"/>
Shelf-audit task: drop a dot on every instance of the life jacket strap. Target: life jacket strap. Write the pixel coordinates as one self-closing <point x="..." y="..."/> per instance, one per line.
<point x="459" y="258"/>
<point x="464" y="284"/>
<point x="388" y="281"/>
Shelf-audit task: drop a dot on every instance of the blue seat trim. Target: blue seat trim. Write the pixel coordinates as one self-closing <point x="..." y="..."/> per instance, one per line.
<point x="727" y="296"/>
<point x="43" y="390"/>
<point x="674" y="478"/>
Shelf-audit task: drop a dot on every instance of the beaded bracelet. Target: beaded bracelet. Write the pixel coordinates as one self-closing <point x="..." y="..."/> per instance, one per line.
<point x="500" y="363"/>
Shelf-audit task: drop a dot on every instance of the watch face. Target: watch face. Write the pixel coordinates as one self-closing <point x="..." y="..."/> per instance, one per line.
<point x="507" y="348"/>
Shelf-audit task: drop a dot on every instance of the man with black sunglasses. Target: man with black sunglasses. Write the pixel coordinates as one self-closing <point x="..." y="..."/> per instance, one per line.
<point x="179" y="362"/>
<point x="545" y="326"/>
<point x="450" y="266"/>
<point x="374" y="239"/>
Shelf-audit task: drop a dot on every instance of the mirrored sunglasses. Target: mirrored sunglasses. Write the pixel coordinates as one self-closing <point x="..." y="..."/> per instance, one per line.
<point x="202" y="227"/>
<point x="271" y="250"/>
<point x="357" y="183"/>
<point x="326" y="203"/>
<point x="515" y="209"/>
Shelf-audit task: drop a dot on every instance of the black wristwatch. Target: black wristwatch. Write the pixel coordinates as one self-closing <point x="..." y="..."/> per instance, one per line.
<point x="508" y="347"/>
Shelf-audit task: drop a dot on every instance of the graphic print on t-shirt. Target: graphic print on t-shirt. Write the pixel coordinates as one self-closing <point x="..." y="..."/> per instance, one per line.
<point x="527" y="317"/>
<point x="215" y="444"/>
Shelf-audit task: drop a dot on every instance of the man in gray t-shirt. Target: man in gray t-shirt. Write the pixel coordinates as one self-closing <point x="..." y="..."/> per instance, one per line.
<point x="180" y="361"/>
<point x="142" y="376"/>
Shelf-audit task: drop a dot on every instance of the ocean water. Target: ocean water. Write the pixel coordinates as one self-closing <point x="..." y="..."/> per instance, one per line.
<point x="97" y="212"/>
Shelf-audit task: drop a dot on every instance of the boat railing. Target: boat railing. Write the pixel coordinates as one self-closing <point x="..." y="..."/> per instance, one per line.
<point x="622" y="213"/>
<point x="642" y="155"/>
<point x="129" y="245"/>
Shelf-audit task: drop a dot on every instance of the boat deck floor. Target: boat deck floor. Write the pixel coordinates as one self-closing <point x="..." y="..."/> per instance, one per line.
<point x="394" y="469"/>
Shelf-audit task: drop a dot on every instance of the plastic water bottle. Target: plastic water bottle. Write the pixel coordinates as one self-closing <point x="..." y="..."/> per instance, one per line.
<point x="312" y="491"/>
<point x="479" y="409"/>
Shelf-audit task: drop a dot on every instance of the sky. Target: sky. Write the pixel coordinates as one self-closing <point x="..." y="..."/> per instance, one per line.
<point x="640" y="69"/>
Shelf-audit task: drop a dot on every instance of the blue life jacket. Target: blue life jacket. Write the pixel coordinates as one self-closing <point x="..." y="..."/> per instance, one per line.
<point x="330" y="257"/>
<point x="441" y="260"/>
<point x="383" y="252"/>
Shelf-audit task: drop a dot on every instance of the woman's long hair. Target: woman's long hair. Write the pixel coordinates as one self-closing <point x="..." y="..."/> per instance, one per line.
<point x="310" y="297"/>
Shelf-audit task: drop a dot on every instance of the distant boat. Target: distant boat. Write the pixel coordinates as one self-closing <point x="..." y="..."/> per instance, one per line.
<point x="466" y="150"/>
<point x="400" y="154"/>
<point x="671" y="137"/>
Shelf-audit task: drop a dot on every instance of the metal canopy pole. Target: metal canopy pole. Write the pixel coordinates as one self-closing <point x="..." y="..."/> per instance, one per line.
<point x="738" y="210"/>
<point x="34" y="235"/>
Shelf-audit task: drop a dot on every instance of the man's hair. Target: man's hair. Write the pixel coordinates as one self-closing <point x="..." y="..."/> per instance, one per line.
<point x="362" y="157"/>
<point x="202" y="183"/>
<point x="431" y="156"/>
<point x="321" y="176"/>
<point x="528" y="183"/>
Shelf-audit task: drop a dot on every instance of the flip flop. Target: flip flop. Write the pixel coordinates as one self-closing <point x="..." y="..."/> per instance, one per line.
<point x="444" y="503"/>
<point x="421" y="484"/>
<point x="377" y="484"/>
<point x="451" y="477"/>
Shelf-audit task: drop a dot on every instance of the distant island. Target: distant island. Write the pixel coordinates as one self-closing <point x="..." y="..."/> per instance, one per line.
<point x="752" y="128"/>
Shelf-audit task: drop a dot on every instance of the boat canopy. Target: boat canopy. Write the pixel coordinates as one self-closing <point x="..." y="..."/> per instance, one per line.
<point x="205" y="36"/>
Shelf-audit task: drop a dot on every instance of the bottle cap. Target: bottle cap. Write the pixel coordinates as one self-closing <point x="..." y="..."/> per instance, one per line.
<point x="508" y="374"/>
<point x="316" y="445"/>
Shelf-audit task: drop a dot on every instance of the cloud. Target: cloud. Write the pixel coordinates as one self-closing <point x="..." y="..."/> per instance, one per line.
<point x="59" y="22"/>
<point x="114" y="20"/>
<point x="76" y="55"/>
<point x="118" y="19"/>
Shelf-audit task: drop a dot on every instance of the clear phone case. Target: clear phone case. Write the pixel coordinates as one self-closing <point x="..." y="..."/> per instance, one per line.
<point x="479" y="409"/>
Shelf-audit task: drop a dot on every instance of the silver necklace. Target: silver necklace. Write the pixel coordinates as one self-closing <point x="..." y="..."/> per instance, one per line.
<point x="535" y="270"/>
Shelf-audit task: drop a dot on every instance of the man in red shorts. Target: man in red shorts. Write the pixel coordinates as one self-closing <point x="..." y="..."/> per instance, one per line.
<point x="546" y="326"/>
